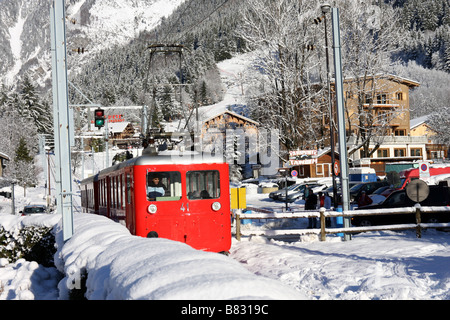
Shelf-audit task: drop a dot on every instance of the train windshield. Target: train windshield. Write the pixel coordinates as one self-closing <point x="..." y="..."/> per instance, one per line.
<point x="163" y="186"/>
<point x="204" y="184"/>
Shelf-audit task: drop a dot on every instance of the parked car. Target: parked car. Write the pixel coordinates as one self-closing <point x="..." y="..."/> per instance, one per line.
<point x="378" y="195"/>
<point x="368" y="187"/>
<point x="298" y="194"/>
<point x="276" y="194"/>
<point x="34" y="209"/>
<point x="438" y="196"/>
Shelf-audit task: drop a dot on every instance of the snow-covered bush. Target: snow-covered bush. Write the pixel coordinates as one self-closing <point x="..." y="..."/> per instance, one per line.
<point x="32" y="243"/>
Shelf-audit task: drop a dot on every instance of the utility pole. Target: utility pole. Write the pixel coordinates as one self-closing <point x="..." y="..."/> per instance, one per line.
<point x="61" y="117"/>
<point x="341" y="117"/>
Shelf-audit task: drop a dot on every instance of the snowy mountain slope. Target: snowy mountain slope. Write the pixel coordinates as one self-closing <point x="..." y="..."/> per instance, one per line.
<point x="91" y="24"/>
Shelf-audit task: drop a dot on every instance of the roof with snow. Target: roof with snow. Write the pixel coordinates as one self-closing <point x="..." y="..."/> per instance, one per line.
<point x="4" y="156"/>
<point x="392" y="77"/>
<point x="418" y="121"/>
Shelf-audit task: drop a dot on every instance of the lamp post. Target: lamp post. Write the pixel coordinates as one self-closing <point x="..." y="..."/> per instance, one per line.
<point x="285" y="171"/>
<point x="325" y="8"/>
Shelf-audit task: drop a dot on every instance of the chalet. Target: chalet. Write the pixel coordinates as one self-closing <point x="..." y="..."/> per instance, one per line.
<point x="120" y="133"/>
<point x="312" y="163"/>
<point x="388" y="102"/>
<point x="228" y="120"/>
<point x="385" y="96"/>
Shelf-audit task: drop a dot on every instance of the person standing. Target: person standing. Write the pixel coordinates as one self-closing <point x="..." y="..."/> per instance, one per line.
<point x="311" y="204"/>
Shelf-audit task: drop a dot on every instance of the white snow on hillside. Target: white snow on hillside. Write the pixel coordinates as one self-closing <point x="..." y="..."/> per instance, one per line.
<point x="15" y="33"/>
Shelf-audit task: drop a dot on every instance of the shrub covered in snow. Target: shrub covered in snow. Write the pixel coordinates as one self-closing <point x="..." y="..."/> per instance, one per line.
<point x="31" y="243"/>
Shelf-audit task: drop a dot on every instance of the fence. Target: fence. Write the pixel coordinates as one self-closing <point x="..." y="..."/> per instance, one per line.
<point x="322" y="214"/>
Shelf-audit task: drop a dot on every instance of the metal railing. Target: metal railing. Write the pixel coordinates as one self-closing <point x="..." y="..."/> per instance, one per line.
<point x="322" y="214"/>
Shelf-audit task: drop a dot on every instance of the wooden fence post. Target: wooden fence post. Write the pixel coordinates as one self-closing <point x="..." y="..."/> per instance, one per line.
<point x="418" y="222"/>
<point x="238" y="224"/>
<point x="322" y="224"/>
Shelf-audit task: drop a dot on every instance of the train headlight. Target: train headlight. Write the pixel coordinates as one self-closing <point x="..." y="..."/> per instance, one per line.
<point x="152" y="209"/>
<point x="216" y="206"/>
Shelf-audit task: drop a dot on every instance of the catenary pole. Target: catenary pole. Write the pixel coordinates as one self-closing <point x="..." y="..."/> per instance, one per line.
<point x="61" y="119"/>
<point x="341" y="117"/>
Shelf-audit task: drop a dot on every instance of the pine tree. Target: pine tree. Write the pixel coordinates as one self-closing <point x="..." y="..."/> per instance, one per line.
<point x="22" y="152"/>
<point x="24" y="169"/>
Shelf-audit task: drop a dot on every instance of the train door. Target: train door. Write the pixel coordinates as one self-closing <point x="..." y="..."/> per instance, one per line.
<point x="166" y="208"/>
<point x="129" y="202"/>
<point x="206" y="222"/>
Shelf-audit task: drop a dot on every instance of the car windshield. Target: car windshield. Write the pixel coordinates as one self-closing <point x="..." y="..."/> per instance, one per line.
<point x="356" y="187"/>
<point x="294" y="187"/>
<point x="34" y="210"/>
<point x="380" y="190"/>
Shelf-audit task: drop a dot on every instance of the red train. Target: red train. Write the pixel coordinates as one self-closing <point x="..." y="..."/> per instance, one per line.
<point x="191" y="202"/>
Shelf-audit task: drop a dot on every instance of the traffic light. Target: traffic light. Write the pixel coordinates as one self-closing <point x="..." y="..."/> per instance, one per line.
<point x="99" y="120"/>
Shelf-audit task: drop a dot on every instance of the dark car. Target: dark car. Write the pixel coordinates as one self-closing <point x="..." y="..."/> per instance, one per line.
<point x="299" y="193"/>
<point x="368" y="187"/>
<point x="438" y="196"/>
<point x="275" y="195"/>
<point x="34" y="209"/>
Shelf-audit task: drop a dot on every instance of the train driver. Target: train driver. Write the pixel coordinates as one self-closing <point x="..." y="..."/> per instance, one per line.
<point x="156" y="188"/>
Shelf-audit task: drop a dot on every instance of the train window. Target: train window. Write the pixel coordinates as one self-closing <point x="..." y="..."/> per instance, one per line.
<point x="163" y="186"/>
<point x="203" y="184"/>
<point x="128" y="188"/>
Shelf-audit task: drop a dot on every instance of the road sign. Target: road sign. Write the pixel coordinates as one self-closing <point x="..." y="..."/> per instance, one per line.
<point x="424" y="170"/>
<point x="336" y="168"/>
<point x="294" y="173"/>
<point x="417" y="190"/>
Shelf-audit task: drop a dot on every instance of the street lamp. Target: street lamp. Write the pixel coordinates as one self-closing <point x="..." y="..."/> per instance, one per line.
<point x="325" y="8"/>
<point x="285" y="171"/>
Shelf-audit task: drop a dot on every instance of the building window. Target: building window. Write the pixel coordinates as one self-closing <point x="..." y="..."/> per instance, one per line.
<point x="381" y="98"/>
<point x="383" y="153"/>
<point x="400" y="132"/>
<point x="319" y="169"/>
<point x="399" y="95"/>
<point x="416" y="152"/>
<point x="399" y="152"/>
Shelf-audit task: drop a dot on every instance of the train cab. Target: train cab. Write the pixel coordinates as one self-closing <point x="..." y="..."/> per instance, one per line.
<point x="177" y="196"/>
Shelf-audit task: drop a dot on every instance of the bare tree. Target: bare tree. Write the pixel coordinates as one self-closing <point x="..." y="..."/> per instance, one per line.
<point x="282" y="33"/>
<point x="370" y="34"/>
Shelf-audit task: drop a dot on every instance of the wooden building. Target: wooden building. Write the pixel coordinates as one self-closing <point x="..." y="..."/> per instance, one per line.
<point x="313" y="163"/>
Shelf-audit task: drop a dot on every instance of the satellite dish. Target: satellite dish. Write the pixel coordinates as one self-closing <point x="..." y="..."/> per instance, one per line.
<point x="417" y="190"/>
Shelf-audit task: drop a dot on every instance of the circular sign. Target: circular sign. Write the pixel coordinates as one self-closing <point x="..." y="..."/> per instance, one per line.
<point x="294" y="173"/>
<point x="417" y="190"/>
<point x="336" y="168"/>
<point x="424" y="167"/>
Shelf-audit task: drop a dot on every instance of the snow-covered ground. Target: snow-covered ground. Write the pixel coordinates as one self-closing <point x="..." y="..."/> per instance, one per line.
<point x="375" y="265"/>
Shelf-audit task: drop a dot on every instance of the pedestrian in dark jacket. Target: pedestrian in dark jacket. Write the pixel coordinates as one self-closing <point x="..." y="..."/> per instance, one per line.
<point x="311" y="204"/>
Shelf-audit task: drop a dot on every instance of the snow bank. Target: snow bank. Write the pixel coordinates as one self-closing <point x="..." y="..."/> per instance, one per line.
<point x="121" y="266"/>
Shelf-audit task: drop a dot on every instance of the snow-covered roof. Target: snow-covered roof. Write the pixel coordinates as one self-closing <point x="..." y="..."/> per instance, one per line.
<point x="233" y="114"/>
<point x="408" y="82"/>
<point x="113" y="127"/>
<point x="413" y="123"/>
<point x="4" y="156"/>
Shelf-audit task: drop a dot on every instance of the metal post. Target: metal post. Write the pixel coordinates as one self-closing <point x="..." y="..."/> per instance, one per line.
<point x="61" y="121"/>
<point x="325" y="10"/>
<point x="13" y="198"/>
<point x="341" y="117"/>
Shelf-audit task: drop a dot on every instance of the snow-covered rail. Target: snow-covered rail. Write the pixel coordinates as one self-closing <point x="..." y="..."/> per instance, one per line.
<point x="322" y="214"/>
